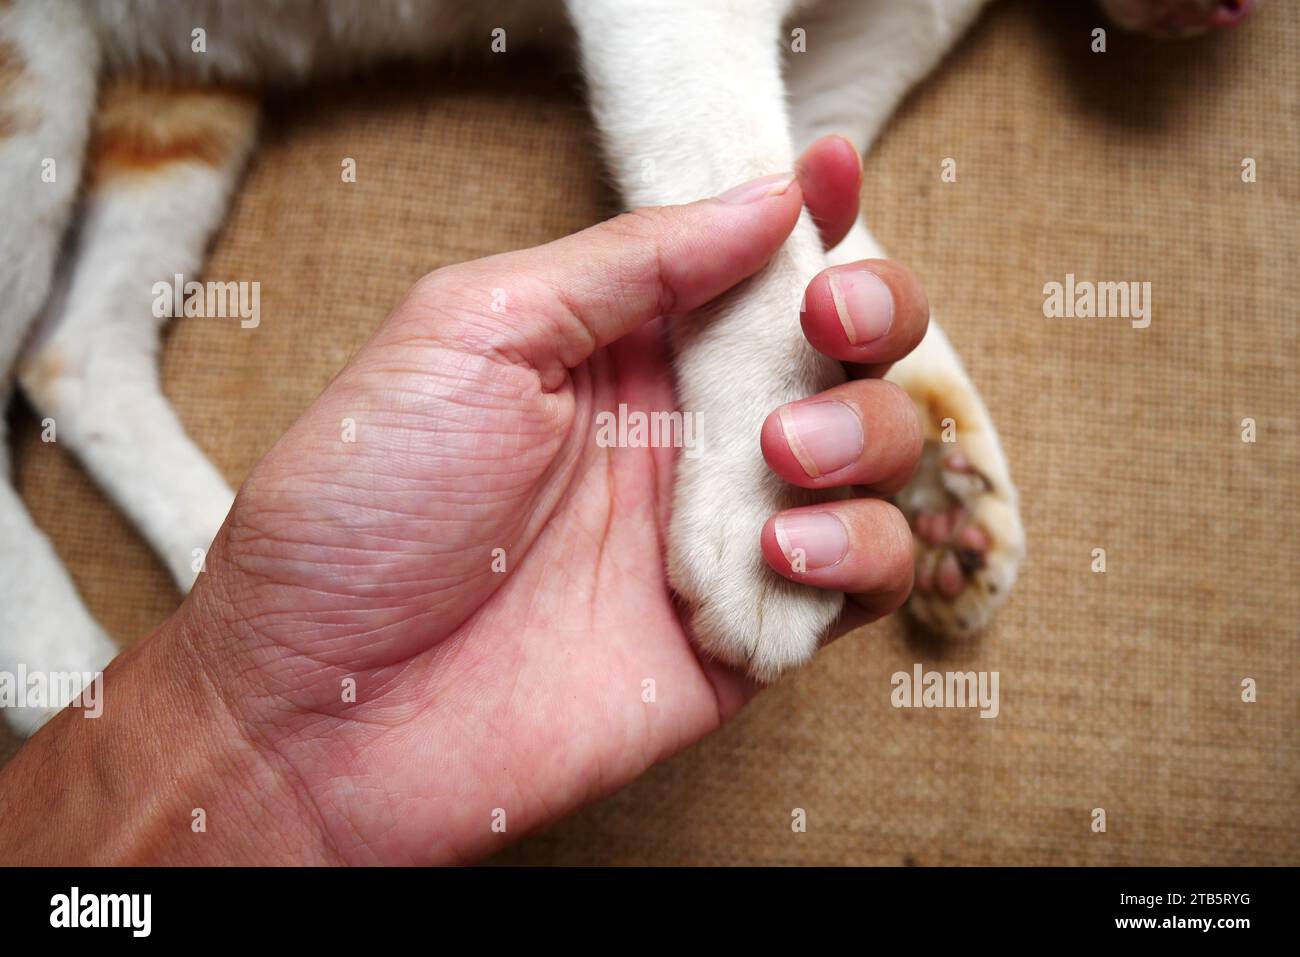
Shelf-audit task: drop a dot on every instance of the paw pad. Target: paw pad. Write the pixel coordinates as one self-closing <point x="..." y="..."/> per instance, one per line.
<point x="967" y="533"/>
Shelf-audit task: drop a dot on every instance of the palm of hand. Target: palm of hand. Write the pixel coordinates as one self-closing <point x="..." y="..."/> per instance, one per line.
<point x="546" y="616"/>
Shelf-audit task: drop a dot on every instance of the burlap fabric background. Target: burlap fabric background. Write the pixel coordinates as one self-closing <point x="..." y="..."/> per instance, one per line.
<point x="1119" y="690"/>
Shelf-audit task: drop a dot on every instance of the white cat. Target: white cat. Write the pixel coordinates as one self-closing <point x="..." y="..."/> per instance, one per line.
<point x="109" y="187"/>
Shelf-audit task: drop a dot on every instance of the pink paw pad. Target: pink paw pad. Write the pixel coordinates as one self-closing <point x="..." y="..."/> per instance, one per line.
<point x="953" y="549"/>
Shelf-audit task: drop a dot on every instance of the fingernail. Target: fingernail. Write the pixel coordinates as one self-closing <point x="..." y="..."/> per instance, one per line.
<point x="757" y="189"/>
<point x="824" y="436"/>
<point x="864" y="304"/>
<point x="811" y="540"/>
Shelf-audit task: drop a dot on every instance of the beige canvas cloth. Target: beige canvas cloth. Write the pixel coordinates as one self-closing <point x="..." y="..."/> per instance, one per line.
<point x="1119" y="690"/>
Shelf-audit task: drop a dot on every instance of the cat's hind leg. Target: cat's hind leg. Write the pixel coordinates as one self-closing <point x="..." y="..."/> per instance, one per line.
<point x="159" y="175"/>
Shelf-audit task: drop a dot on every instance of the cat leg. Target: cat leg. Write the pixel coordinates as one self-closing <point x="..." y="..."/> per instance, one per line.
<point x="48" y="61"/>
<point x="689" y="100"/>
<point x="161" y="167"/>
<point x="857" y="59"/>
<point x="961" y="504"/>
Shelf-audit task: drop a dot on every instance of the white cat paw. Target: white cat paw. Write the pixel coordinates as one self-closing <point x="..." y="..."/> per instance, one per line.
<point x="740" y="611"/>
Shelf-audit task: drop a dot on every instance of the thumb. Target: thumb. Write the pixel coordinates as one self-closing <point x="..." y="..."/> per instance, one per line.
<point x="566" y="299"/>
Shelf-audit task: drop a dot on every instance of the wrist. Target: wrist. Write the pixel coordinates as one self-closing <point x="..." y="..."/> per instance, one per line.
<point x="166" y="774"/>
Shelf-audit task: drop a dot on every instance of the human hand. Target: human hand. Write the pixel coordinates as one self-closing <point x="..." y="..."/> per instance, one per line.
<point x="455" y="620"/>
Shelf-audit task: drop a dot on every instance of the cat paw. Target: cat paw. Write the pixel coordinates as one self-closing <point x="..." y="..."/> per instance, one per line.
<point x="962" y="509"/>
<point x="739" y="611"/>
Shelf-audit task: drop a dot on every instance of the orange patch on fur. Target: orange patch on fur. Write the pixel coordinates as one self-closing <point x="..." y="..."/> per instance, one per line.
<point x="16" y="116"/>
<point x="141" y="129"/>
<point x="11" y="63"/>
<point x="937" y="402"/>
